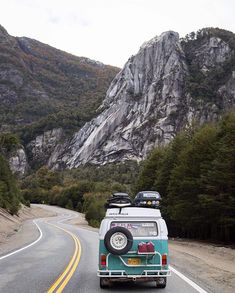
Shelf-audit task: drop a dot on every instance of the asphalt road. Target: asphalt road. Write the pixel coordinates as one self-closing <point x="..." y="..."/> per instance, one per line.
<point x="65" y="248"/>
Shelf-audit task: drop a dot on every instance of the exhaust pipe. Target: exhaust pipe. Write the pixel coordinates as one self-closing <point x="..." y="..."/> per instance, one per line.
<point x="134" y="279"/>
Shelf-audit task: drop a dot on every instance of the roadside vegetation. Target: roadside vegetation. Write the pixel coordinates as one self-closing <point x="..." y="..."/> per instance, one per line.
<point x="9" y="193"/>
<point x="84" y="189"/>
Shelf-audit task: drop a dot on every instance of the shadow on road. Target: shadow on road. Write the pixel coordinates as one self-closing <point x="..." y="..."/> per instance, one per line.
<point x="133" y="286"/>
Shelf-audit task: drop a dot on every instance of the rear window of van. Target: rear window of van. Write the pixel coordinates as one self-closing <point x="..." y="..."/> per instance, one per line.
<point x="138" y="229"/>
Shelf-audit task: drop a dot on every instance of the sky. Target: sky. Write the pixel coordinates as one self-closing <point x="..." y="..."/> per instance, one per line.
<point x="110" y="31"/>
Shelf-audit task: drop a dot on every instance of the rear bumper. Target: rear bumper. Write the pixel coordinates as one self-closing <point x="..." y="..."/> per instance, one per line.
<point x="151" y="274"/>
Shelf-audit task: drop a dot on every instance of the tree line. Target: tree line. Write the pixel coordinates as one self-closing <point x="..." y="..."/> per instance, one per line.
<point x="10" y="197"/>
<point x="195" y="175"/>
<point x="84" y="189"/>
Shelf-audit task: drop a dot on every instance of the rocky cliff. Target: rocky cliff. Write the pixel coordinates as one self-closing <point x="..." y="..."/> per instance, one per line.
<point x="18" y="162"/>
<point x="40" y="149"/>
<point x="168" y="84"/>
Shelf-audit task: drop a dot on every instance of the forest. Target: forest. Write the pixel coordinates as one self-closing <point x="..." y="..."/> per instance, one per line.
<point x="195" y="174"/>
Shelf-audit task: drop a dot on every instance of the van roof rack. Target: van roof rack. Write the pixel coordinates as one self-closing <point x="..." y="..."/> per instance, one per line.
<point x="118" y="200"/>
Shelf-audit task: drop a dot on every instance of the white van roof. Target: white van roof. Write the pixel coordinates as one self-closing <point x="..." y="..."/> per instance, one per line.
<point x="134" y="212"/>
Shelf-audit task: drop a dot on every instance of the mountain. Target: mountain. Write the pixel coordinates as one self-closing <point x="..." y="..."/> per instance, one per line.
<point x="168" y="85"/>
<point x="42" y="87"/>
<point x="56" y="102"/>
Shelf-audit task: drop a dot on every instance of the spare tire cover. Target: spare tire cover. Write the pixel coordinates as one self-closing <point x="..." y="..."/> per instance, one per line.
<point x="118" y="240"/>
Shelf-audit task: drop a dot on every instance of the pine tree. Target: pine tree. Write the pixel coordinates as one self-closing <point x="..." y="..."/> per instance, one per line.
<point x="9" y="195"/>
<point x="219" y="198"/>
<point x="148" y="171"/>
<point x="185" y="182"/>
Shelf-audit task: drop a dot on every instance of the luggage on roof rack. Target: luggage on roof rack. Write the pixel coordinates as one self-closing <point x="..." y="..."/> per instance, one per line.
<point x="118" y="200"/>
<point x="149" y="199"/>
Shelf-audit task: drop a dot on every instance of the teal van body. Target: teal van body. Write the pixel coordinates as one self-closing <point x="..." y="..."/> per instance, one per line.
<point x="115" y="263"/>
<point x="147" y="226"/>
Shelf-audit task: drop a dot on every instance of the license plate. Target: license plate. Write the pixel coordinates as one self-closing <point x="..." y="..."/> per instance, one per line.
<point x="134" y="261"/>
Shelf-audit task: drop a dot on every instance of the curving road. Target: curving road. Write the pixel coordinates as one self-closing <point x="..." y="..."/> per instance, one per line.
<point x="64" y="259"/>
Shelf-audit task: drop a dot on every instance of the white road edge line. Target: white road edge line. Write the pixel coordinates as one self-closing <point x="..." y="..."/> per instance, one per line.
<point x="27" y="246"/>
<point x="33" y="243"/>
<point x="187" y="280"/>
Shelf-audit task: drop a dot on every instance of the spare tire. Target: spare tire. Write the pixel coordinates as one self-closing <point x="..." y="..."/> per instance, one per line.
<point x="118" y="240"/>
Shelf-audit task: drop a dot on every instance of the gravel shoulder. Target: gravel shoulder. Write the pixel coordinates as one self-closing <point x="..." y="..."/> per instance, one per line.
<point x="207" y="264"/>
<point x="18" y="231"/>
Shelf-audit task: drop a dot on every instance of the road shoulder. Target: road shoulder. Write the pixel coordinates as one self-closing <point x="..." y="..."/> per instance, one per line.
<point x="18" y="231"/>
<point x="205" y="264"/>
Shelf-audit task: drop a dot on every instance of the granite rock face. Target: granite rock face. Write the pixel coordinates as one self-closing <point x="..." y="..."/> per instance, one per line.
<point x="147" y="103"/>
<point x="212" y="52"/>
<point x="227" y="92"/>
<point x="137" y="108"/>
<point x="36" y="153"/>
<point x="18" y="162"/>
<point x="41" y="148"/>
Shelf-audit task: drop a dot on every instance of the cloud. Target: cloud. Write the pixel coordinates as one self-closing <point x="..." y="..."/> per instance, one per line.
<point x="110" y="30"/>
<point x="68" y="19"/>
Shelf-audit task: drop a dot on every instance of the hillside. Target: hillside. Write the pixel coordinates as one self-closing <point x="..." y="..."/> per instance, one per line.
<point x="42" y="87"/>
<point x="169" y="85"/>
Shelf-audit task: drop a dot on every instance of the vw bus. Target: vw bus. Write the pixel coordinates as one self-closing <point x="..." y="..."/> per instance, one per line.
<point x="133" y="246"/>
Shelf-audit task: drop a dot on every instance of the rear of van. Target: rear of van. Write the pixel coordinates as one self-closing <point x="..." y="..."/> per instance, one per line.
<point x="133" y="246"/>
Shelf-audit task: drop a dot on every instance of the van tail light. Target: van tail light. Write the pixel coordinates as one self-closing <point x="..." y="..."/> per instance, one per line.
<point x="164" y="259"/>
<point x="103" y="260"/>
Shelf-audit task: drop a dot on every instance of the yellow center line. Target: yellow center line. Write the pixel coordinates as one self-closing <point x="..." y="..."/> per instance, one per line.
<point x="71" y="267"/>
<point x="59" y="280"/>
<point x="66" y="280"/>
